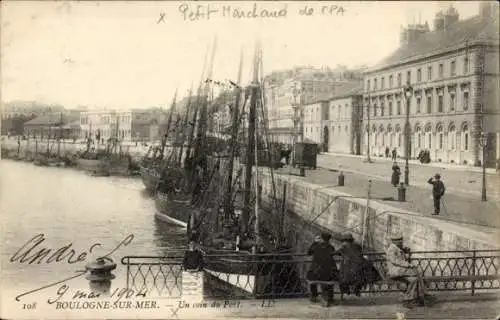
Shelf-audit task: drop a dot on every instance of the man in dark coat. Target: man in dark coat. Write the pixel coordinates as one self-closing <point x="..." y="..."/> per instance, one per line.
<point x="394" y="154"/>
<point x="396" y="173"/>
<point x="323" y="268"/>
<point x="355" y="270"/>
<point x="193" y="258"/>
<point x="437" y="191"/>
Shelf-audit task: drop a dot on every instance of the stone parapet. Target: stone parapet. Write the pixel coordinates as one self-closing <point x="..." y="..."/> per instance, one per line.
<point x="340" y="212"/>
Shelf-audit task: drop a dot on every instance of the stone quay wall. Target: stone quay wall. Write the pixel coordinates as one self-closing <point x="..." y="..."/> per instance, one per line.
<point x="66" y="147"/>
<point x="312" y="208"/>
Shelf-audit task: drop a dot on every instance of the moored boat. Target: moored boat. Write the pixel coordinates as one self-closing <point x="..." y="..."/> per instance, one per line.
<point x="172" y="208"/>
<point x="149" y="176"/>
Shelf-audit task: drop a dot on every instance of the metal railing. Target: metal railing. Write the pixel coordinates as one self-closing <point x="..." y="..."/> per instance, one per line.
<point x="281" y="276"/>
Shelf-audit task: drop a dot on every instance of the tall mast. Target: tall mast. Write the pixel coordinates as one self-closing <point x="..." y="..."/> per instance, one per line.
<point x="169" y="122"/>
<point x="234" y="137"/>
<point x="198" y="101"/>
<point x="203" y="111"/>
<point x="184" y="124"/>
<point x="251" y="141"/>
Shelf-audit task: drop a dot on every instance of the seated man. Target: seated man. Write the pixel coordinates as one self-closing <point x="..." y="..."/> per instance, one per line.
<point x="323" y="268"/>
<point x="399" y="268"/>
<point x="193" y="258"/>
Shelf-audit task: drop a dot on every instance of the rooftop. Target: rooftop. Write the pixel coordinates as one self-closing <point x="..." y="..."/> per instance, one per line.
<point x="458" y="34"/>
<point x="53" y="120"/>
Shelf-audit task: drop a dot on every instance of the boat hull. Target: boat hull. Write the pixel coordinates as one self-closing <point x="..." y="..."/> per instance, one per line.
<point x="104" y="166"/>
<point x="172" y="209"/>
<point x="149" y="177"/>
<point x="90" y="164"/>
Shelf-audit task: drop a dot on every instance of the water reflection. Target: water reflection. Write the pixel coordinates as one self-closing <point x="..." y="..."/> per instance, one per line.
<point x="71" y="207"/>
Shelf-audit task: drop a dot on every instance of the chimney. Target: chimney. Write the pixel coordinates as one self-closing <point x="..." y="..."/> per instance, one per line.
<point x="439" y="21"/>
<point x="488" y="10"/>
<point x="450" y="17"/>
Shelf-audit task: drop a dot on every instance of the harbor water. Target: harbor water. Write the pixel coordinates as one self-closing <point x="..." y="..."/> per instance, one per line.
<point x="66" y="208"/>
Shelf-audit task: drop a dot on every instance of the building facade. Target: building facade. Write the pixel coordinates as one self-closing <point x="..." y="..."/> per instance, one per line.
<point x="53" y="126"/>
<point x="287" y="91"/>
<point x="453" y="72"/>
<point x="107" y="123"/>
<point x="335" y="123"/>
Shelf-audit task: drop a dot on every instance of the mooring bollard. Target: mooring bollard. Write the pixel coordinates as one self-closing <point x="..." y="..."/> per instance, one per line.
<point x="341" y="179"/>
<point x="100" y="274"/>
<point x="302" y="172"/>
<point x="402" y="193"/>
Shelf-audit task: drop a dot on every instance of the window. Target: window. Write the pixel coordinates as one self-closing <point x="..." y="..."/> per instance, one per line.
<point x="399" y="79"/>
<point x="398" y="107"/>
<point x="428" y="134"/>
<point x="466" y="65"/>
<point x="440" y="103"/>
<point x="418" y="105"/>
<point x="346" y="110"/>
<point x="466" y="100"/>
<point x="441" y="70"/>
<point x="429" y="104"/>
<point x="408" y="77"/>
<point x="452" y="101"/>
<point x="340" y="111"/>
<point x="429" y="73"/>
<point x="390" y="81"/>
<point x="465" y="138"/>
<point x="418" y="137"/>
<point x="374" y="110"/>
<point x="382" y="108"/>
<point x="382" y="83"/>
<point x="390" y="108"/>
<point x="440" y="137"/>
<point x="419" y="75"/>
<point x="453" y="67"/>
<point x="368" y="85"/>
<point x="452" y="137"/>
<point x="375" y="84"/>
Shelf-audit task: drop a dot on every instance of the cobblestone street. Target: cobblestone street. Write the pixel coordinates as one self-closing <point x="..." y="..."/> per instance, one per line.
<point x="455" y="207"/>
<point x="457" y="179"/>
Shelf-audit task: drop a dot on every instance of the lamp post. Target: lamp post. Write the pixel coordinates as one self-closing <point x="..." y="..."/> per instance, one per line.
<point x="368" y="159"/>
<point x="483" y="141"/>
<point x="408" y="91"/>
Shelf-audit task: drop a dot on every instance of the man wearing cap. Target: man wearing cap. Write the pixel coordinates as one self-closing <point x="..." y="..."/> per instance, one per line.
<point x="323" y="268"/>
<point x="437" y="191"/>
<point x="399" y="268"/>
<point x="355" y="271"/>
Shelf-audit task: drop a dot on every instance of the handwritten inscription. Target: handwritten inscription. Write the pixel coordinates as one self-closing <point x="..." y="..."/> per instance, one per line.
<point x="191" y="12"/>
<point x="117" y="295"/>
<point x="28" y="254"/>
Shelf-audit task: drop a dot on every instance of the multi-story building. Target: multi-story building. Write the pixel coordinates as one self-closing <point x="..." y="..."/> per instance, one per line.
<point x="286" y="91"/>
<point x="335" y="123"/>
<point x="453" y="71"/>
<point x="108" y="123"/>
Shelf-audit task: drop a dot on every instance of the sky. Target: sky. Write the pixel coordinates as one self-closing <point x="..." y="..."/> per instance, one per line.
<point x="128" y="54"/>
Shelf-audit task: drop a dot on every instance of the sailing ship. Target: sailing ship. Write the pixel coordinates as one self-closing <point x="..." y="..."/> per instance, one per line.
<point x="108" y="161"/>
<point x="233" y="247"/>
<point x="48" y="158"/>
<point x="179" y="176"/>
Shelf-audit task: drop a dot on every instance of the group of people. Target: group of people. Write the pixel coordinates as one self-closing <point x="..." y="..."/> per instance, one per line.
<point x="393" y="153"/>
<point x="356" y="272"/>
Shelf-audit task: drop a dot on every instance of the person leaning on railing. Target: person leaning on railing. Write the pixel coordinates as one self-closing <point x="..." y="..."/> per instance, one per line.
<point x="398" y="268"/>
<point x="193" y="258"/>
